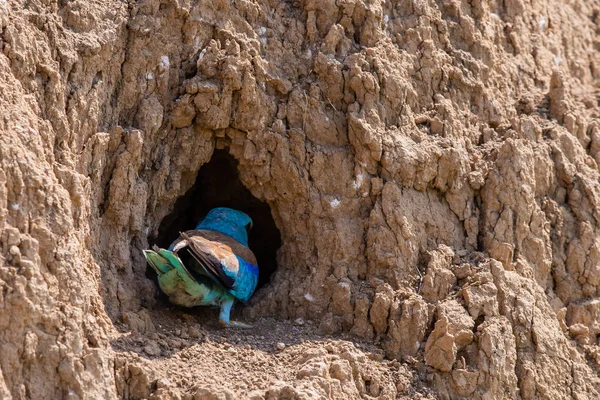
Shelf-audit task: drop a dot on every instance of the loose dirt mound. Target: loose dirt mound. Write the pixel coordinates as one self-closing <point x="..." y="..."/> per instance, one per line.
<point x="429" y="167"/>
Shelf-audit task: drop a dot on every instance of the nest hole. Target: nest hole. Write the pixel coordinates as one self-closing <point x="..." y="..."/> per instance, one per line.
<point x="218" y="185"/>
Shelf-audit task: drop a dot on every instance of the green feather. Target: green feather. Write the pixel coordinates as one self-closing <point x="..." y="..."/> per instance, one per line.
<point x="174" y="260"/>
<point x="176" y="281"/>
<point x="158" y="263"/>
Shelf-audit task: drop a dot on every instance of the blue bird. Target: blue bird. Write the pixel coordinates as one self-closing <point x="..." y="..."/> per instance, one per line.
<point x="219" y="267"/>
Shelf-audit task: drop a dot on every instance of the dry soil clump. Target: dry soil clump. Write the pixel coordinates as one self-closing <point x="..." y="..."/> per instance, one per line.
<point x="430" y="169"/>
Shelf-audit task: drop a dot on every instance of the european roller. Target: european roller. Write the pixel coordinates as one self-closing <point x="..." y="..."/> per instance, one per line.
<point x="211" y="265"/>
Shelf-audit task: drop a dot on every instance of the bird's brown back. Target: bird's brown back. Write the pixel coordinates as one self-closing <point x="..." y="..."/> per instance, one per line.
<point x="238" y="249"/>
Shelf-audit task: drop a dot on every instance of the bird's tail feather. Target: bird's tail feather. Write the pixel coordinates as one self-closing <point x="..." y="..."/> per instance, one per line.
<point x="157" y="262"/>
<point x="175" y="262"/>
<point x="164" y="261"/>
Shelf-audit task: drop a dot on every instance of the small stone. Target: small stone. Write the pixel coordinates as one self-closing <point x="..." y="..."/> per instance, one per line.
<point x="280" y="346"/>
<point x="175" y="343"/>
<point x="299" y="321"/>
<point x="14" y="250"/>
<point x="72" y="395"/>
<point x="579" y="330"/>
<point x="194" y="332"/>
<point x="401" y="386"/>
<point x="152" y="349"/>
<point x="162" y="384"/>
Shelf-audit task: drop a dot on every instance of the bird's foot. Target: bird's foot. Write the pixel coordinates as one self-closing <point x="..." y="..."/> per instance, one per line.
<point x="234" y="324"/>
<point x="224" y="316"/>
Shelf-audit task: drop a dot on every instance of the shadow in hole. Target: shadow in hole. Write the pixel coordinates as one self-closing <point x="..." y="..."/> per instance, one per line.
<point x="218" y="185"/>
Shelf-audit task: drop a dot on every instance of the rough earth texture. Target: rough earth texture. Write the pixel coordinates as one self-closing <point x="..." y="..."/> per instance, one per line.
<point x="432" y="167"/>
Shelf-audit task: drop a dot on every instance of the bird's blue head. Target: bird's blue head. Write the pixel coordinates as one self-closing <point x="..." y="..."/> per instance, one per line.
<point x="228" y="221"/>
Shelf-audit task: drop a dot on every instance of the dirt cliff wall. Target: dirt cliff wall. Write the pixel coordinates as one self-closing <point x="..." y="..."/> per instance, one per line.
<point x="431" y="166"/>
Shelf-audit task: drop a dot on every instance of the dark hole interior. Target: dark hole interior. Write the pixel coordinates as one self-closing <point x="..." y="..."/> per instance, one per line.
<point x="218" y="185"/>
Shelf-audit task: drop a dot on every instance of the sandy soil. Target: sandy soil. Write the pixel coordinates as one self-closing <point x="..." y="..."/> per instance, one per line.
<point x="423" y="174"/>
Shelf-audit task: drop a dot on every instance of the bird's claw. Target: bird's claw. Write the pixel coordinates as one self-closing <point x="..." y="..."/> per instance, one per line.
<point x="234" y="324"/>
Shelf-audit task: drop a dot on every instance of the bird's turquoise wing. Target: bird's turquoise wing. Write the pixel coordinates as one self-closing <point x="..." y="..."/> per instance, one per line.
<point x="157" y="262"/>
<point x="179" y="283"/>
<point x="163" y="261"/>
<point x="176" y="262"/>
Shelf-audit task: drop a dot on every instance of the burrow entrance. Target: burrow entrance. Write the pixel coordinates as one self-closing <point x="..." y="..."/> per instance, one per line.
<point x="218" y="185"/>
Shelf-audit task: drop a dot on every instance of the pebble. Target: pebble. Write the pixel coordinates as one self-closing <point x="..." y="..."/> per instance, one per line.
<point x="194" y="332"/>
<point x="299" y="321"/>
<point x="152" y="349"/>
<point x="162" y="383"/>
<point x="14" y="250"/>
<point x="280" y="346"/>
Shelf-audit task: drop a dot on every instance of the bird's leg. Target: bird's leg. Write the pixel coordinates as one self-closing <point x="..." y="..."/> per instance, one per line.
<point x="224" y="315"/>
